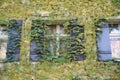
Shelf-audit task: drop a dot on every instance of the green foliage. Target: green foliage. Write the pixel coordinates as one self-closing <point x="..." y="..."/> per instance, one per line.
<point x="116" y="2"/>
<point x="88" y="13"/>
<point x="14" y="41"/>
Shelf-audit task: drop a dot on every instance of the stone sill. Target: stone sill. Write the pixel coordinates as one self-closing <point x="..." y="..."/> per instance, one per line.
<point x="114" y="20"/>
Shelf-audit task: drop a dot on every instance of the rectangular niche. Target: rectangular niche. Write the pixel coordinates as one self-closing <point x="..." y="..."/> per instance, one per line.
<point x="14" y="38"/>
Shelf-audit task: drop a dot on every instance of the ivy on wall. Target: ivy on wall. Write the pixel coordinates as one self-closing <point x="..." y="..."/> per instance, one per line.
<point x="87" y="11"/>
<point x="77" y="39"/>
<point x="14" y="38"/>
<point x="37" y="37"/>
<point x="41" y="42"/>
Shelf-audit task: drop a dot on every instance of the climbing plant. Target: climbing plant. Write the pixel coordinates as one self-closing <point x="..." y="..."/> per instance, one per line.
<point x="14" y="38"/>
<point x="41" y="37"/>
<point x="88" y="13"/>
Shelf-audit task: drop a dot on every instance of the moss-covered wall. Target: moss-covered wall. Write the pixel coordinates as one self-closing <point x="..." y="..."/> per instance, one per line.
<point x="87" y="12"/>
